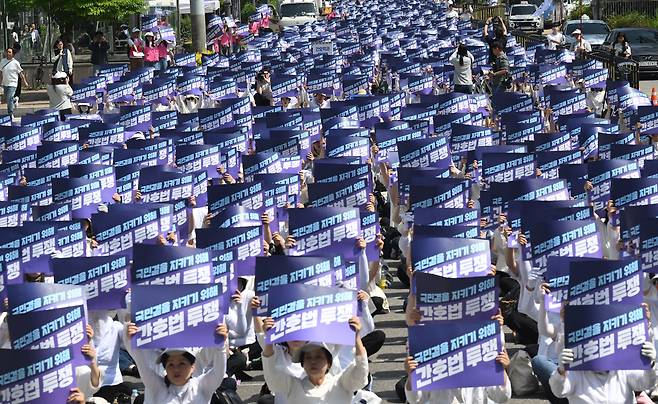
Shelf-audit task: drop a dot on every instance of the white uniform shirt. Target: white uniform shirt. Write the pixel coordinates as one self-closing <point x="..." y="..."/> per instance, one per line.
<point x="616" y="387"/>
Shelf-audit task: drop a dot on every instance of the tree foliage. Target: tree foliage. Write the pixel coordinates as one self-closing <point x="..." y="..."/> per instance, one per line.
<point x="69" y="12"/>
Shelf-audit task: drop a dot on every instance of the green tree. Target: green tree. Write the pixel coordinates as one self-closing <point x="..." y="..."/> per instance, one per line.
<point x="69" y="12"/>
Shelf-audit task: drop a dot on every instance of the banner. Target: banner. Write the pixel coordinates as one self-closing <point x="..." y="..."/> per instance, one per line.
<point x="461" y="355"/>
<point x="186" y="315"/>
<point x="348" y="193"/>
<point x="446" y="216"/>
<point x="451" y="257"/>
<point x="606" y="337"/>
<point x="432" y="152"/>
<point x="311" y="313"/>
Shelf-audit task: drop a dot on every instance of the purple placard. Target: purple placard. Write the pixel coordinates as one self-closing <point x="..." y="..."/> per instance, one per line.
<point x="461" y="355"/>
<point x="278" y="270"/>
<point x="105" y="278"/>
<point x="431" y="152"/>
<point x="28" y="297"/>
<point x="239" y="246"/>
<point x="167" y="317"/>
<point x="155" y="264"/>
<point x="576" y="238"/>
<point x="40" y="375"/>
<point x="348" y="193"/>
<point x="604" y="282"/>
<point x="311" y="313"/>
<point x="451" y="257"/>
<point x="55" y="328"/>
<point x="606" y="337"/>
<point x="318" y="229"/>
<point x="448" y="299"/>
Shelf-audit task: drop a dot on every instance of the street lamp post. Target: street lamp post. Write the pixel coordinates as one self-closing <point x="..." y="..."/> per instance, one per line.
<point x="198" y="17"/>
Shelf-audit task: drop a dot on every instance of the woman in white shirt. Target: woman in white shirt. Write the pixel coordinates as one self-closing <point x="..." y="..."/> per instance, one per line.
<point x="554" y="39"/>
<point x="317" y="385"/>
<point x="621" y="48"/>
<point x="469" y="395"/>
<point x="178" y="386"/>
<point x="611" y="387"/>
<point x="462" y="59"/>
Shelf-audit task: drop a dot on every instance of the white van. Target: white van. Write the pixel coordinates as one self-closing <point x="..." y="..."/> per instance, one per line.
<point x="298" y="12"/>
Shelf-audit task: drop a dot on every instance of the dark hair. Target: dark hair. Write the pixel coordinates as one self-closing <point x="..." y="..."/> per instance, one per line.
<point x="497" y="45"/>
<point x="57" y="42"/>
<point x="462" y="51"/>
<point x="327" y="355"/>
<point x="165" y="357"/>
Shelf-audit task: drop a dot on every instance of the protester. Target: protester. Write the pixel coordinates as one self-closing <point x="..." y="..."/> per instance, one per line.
<point x="621" y="48"/>
<point x="463" y="60"/>
<point x="500" y="69"/>
<point x="99" y="48"/>
<point x="580" y="46"/>
<point x="151" y="52"/>
<point x="59" y="94"/>
<point x="63" y="62"/>
<point x="317" y="384"/>
<point x="497" y="35"/>
<point x="12" y="77"/>
<point x="136" y="50"/>
<point x="178" y="385"/>
<point x="555" y="38"/>
<point x="164" y="54"/>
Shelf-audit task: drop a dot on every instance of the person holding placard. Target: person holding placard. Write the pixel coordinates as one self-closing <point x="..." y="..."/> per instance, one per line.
<point x="317" y="385"/>
<point x="585" y="386"/>
<point x="178" y="386"/>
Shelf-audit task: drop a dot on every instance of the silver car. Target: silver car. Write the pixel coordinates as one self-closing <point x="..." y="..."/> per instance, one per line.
<point x="594" y="31"/>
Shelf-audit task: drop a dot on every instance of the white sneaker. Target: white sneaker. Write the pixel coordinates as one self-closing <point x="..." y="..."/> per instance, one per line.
<point x="15" y="101"/>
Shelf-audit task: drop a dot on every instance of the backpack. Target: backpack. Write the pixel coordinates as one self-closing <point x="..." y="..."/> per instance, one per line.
<point x="227" y="393"/>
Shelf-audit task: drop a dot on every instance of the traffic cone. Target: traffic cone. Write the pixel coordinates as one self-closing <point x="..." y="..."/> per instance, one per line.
<point x="654" y="97"/>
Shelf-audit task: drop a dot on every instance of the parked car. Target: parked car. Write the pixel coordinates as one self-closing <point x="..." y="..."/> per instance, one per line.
<point x="522" y="17"/>
<point x="643" y="43"/>
<point x="594" y="31"/>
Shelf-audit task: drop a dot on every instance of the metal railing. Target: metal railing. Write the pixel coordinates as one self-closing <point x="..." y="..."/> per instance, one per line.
<point x="486" y="12"/>
<point x="618" y="68"/>
<point x="524" y="39"/>
<point x="621" y="7"/>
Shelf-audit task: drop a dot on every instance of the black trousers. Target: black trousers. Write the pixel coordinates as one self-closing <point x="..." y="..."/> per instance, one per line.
<point x="374" y="341"/>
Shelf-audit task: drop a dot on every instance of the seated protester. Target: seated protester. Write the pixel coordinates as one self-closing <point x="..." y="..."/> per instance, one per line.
<point x="76" y="397"/>
<point x="612" y="387"/>
<point x="241" y="329"/>
<point x="88" y="378"/>
<point x="107" y="338"/>
<point x="178" y="386"/>
<point x="470" y="395"/>
<point x="317" y="383"/>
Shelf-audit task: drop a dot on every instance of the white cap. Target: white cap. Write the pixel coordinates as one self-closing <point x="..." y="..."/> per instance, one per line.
<point x="310" y="346"/>
<point x="577" y="32"/>
<point x="177" y="351"/>
<point x="136" y="30"/>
